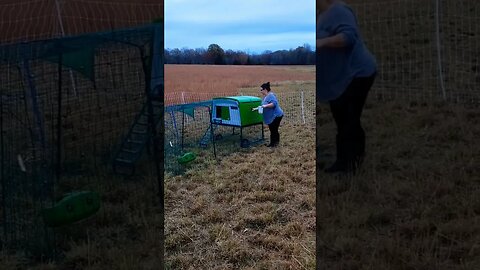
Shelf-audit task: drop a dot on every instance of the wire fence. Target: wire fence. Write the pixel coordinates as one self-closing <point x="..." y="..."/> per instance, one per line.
<point x="28" y="20"/>
<point x="298" y="105"/>
<point x="426" y="50"/>
<point x="188" y="125"/>
<point x="63" y="119"/>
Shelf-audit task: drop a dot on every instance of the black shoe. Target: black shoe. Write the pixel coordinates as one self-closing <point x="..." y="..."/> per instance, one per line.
<point x="274" y="144"/>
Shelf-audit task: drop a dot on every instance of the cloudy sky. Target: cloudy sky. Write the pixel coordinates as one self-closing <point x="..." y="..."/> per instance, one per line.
<point x="248" y="25"/>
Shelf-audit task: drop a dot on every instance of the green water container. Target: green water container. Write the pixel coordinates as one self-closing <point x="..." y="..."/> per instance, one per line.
<point x="73" y="207"/>
<point x="187" y="157"/>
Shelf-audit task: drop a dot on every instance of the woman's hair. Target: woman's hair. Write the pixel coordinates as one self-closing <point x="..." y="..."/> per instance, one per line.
<point x="266" y="86"/>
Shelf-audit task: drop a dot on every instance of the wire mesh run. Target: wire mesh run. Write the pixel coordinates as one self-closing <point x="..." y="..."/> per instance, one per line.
<point x="425" y="50"/>
<point x="189" y="127"/>
<point x="67" y="105"/>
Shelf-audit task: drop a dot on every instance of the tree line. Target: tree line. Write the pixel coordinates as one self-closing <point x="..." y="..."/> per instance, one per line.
<point x="215" y="55"/>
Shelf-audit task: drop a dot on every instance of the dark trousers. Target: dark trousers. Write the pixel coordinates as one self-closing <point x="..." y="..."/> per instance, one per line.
<point x="273" y="127"/>
<point x="346" y="111"/>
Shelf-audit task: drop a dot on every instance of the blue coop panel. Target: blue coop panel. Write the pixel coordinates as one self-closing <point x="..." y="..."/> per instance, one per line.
<point x="226" y="112"/>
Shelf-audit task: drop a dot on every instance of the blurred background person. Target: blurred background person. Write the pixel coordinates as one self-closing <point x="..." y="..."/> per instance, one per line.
<point x="345" y="72"/>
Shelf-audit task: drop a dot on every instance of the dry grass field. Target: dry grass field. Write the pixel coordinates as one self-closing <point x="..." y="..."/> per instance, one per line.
<point x="252" y="209"/>
<point x="228" y="79"/>
<point x="123" y="234"/>
<point x="191" y="83"/>
<point x="249" y="209"/>
<point x="415" y="204"/>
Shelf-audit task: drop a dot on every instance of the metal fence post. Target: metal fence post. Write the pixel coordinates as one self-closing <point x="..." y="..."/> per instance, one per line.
<point x="60" y="21"/>
<point x="439" y="49"/>
<point x="303" y="108"/>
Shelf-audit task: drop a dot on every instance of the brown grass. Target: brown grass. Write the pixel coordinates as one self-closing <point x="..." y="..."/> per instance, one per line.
<point x="227" y="79"/>
<point x="124" y="234"/>
<point x="415" y="204"/>
<point x="252" y="210"/>
<point x="33" y="20"/>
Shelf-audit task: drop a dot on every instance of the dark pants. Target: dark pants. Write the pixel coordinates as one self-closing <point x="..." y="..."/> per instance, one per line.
<point x="273" y="127"/>
<point x="346" y="111"/>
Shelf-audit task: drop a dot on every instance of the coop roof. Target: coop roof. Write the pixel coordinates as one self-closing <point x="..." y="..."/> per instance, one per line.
<point x="77" y="51"/>
<point x="136" y="36"/>
<point x="188" y="106"/>
<point x="241" y="99"/>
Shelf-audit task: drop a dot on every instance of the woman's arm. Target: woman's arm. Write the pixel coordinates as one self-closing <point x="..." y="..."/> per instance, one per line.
<point x="342" y="31"/>
<point x="336" y="41"/>
<point x="271" y="102"/>
<point x="269" y="105"/>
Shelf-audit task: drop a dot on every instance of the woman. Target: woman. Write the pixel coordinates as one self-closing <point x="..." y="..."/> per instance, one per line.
<point x="346" y="71"/>
<point x="272" y="113"/>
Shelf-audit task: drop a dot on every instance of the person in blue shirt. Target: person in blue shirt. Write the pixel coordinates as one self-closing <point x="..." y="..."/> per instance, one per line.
<point x="272" y="113"/>
<point x="345" y="72"/>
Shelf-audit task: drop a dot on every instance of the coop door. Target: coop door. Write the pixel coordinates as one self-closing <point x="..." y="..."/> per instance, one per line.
<point x="223" y="112"/>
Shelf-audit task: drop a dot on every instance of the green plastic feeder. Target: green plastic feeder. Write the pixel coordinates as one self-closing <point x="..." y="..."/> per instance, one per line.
<point x="73" y="207"/>
<point x="187" y="157"/>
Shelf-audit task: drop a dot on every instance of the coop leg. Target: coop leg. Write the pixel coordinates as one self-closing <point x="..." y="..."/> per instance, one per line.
<point x="241" y="136"/>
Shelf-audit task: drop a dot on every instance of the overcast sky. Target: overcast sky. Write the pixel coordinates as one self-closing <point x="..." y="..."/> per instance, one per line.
<point x="248" y="25"/>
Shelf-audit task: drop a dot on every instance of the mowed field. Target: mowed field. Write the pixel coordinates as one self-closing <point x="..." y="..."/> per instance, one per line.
<point x="250" y="209"/>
